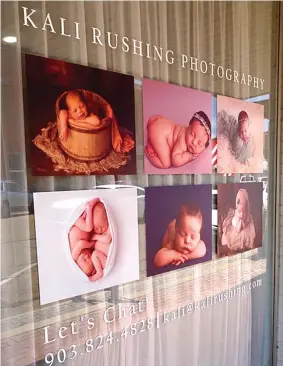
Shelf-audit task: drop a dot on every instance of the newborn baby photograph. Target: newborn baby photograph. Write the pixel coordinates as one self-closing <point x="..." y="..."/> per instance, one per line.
<point x="90" y="239"/>
<point x="86" y="240"/>
<point x="177" y="129"/>
<point x="239" y="217"/>
<point x="240" y="127"/>
<point x="178" y="227"/>
<point x="80" y="120"/>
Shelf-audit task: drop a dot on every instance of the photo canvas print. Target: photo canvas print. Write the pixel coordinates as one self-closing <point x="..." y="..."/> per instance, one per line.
<point x="240" y="136"/>
<point x="86" y="241"/>
<point x="240" y="210"/>
<point x="80" y="120"/>
<point x="178" y="227"/>
<point x="177" y="129"/>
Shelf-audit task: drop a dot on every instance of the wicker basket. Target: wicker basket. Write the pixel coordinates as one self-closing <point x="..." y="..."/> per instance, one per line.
<point x="89" y="144"/>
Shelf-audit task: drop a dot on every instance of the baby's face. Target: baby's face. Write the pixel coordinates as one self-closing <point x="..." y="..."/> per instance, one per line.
<point x="196" y="137"/>
<point x="241" y="205"/>
<point x="187" y="234"/>
<point x="244" y="131"/>
<point x="100" y="221"/>
<point x="77" y="108"/>
<point x="85" y="263"/>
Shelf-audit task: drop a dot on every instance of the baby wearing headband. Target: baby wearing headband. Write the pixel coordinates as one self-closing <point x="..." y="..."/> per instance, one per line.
<point x="237" y="131"/>
<point x="173" y="145"/>
<point x="243" y="143"/>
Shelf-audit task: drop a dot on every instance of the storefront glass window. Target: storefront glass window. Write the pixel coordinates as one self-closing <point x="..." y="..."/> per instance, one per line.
<point x="227" y="302"/>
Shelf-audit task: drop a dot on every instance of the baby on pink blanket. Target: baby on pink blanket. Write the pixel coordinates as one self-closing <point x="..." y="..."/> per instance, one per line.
<point x="173" y="145"/>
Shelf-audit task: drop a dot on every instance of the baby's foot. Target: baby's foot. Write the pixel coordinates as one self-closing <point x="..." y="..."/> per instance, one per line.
<point x="63" y="135"/>
<point x="97" y="276"/>
<point x="150" y="151"/>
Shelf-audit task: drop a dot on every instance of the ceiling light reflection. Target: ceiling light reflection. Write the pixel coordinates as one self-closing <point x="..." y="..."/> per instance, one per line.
<point x="10" y="39"/>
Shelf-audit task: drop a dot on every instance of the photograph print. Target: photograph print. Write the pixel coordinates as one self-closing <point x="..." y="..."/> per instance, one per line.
<point x="80" y="120"/>
<point x="178" y="227"/>
<point x="177" y="129"/>
<point x="240" y="136"/>
<point x="240" y="207"/>
<point x="84" y="242"/>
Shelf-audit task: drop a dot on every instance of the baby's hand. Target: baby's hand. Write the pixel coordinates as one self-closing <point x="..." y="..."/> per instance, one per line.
<point x="178" y="258"/>
<point x="63" y="135"/>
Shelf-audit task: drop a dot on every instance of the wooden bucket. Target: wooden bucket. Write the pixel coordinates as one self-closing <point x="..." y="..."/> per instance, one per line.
<point x="89" y="144"/>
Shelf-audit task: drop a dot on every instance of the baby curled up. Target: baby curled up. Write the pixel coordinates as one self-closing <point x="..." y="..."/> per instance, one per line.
<point x="173" y="145"/>
<point x="90" y="239"/>
<point x="77" y="112"/>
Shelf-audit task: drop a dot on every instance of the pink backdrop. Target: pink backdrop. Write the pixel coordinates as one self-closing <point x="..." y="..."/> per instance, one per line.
<point x="225" y="161"/>
<point x="178" y="104"/>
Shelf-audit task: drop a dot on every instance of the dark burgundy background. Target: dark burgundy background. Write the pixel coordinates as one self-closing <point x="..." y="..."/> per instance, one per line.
<point x="47" y="79"/>
<point x="162" y="206"/>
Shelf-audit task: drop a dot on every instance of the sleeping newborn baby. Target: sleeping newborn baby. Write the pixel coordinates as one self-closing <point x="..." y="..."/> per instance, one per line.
<point x="238" y="231"/>
<point x="182" y="241"/>
<point x="85" y="262"/>
<point x="77" y="112"/>
<point x="238" y="134"/>
<point x="173" y="145"/>
<point x="101" y="235"/>
<point x="91" y="231"/>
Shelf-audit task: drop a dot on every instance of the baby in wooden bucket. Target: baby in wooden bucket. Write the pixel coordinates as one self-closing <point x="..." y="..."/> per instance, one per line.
<point x="90" y="239"/>
<point x="77" y="112"/>
<point x="88" y="130"/>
